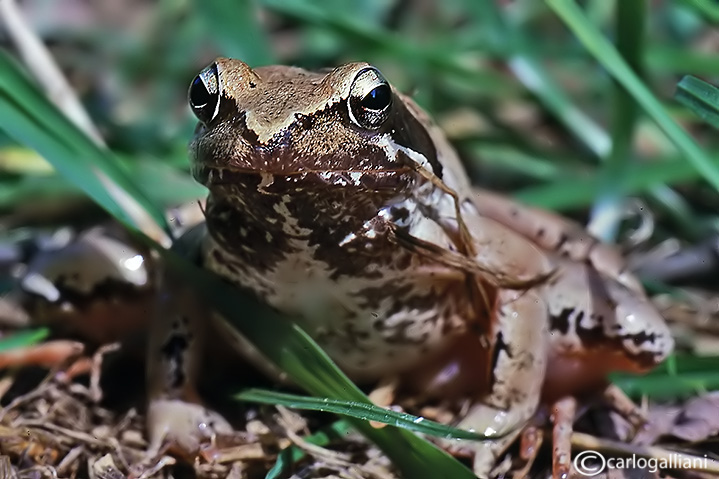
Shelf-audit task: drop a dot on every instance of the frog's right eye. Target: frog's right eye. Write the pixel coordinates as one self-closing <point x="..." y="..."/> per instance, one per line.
<point x="370" y="99"/>
<point x="204" y="94"/>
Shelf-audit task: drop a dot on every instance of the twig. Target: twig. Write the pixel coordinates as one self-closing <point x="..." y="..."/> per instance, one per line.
<point x="95" y="373"/>
<point x="69" y="459"/>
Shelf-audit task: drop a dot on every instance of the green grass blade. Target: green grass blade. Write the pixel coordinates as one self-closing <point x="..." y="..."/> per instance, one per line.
<point x="608" y="56"/>
<point x="506" y="157"/>
<point x="680" y="376"/>
<point x="680" y="60"/>
<point x="362" y="410"/>
<point x="284" y="460"/>
<point x="292" y="454"/>
<point x="606" y="213"/>
<point x="709" y="9"/>
<point x="564" y="194"/>
<point x="669" y="387"/>
<point x="29" y="118"/>
<point x="533" y="76"/>
<point x="700" y="97"/>
<point x="22" y="339"/>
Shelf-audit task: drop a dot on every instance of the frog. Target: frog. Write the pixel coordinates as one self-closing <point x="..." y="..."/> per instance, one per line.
<point x="335" y="199"/>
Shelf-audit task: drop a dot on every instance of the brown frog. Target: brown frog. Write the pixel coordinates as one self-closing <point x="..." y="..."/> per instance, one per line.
<point x="334" y="199"/>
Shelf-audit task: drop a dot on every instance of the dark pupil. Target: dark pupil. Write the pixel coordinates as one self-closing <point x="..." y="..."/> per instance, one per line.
<point x="378" y="99"/>
<point x="199" y="96"/>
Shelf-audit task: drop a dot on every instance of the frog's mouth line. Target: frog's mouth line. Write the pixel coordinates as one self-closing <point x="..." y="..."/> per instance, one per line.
<point x="366" y="179"/>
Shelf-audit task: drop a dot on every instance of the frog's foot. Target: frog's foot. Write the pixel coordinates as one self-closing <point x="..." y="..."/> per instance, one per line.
<point x="628" y="409"/>
<point x="383" y="395"/>
<point x="563" y="414"/>
<point x="529" y="443"/>
<point x="485" y="453"/>
<point x="519" y="368"/>
<point x="182" y="426"/>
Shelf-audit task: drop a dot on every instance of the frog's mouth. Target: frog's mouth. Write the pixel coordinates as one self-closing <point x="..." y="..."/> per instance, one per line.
<point x="217" y="178"/>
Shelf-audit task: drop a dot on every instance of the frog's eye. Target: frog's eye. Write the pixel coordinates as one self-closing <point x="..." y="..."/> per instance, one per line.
<point x="204" y="94"/>
<point x="370" y="99"/>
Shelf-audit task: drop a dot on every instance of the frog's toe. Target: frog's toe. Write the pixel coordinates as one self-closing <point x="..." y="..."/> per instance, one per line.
<point x="563" y="413"/>
<point x="484" y="457"/>
<point x="182" y="426"/>
<point x="485" y="454"/>
<point x="628" y="409"/>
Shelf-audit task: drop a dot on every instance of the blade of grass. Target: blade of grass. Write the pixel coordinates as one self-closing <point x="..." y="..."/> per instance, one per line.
<point x="681" y="60"/>
<point x="23" y="338"/>
<point x="669" y="387"/>
<point x="32" y="120"/>
<point x="35" y="188"/>
<point x="700" y="97"/>
<point x="507" y="157"/>
<point x="607" y="210"/>
<point x="680" y="376"/>
<point x="284" y="460"/>
<point x="40" y="62"/>
<point x="292" y="454"/>
<point x="607" y="55"/>
<point x="581" y="191"/>
<point x="360" y="410"/>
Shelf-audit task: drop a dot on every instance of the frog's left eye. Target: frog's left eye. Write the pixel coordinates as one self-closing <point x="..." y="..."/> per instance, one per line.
<point x="370" y="99"/>
<point x="204" y="94"/>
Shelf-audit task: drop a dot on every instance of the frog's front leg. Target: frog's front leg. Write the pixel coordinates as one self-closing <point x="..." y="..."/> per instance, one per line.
<point x="520" y="335"/>
<point x="175" y="415"/>
<point x="520" y="360"/>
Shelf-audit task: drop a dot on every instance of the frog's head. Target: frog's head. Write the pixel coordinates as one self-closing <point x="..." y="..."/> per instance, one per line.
<point x="284" y="129"/>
